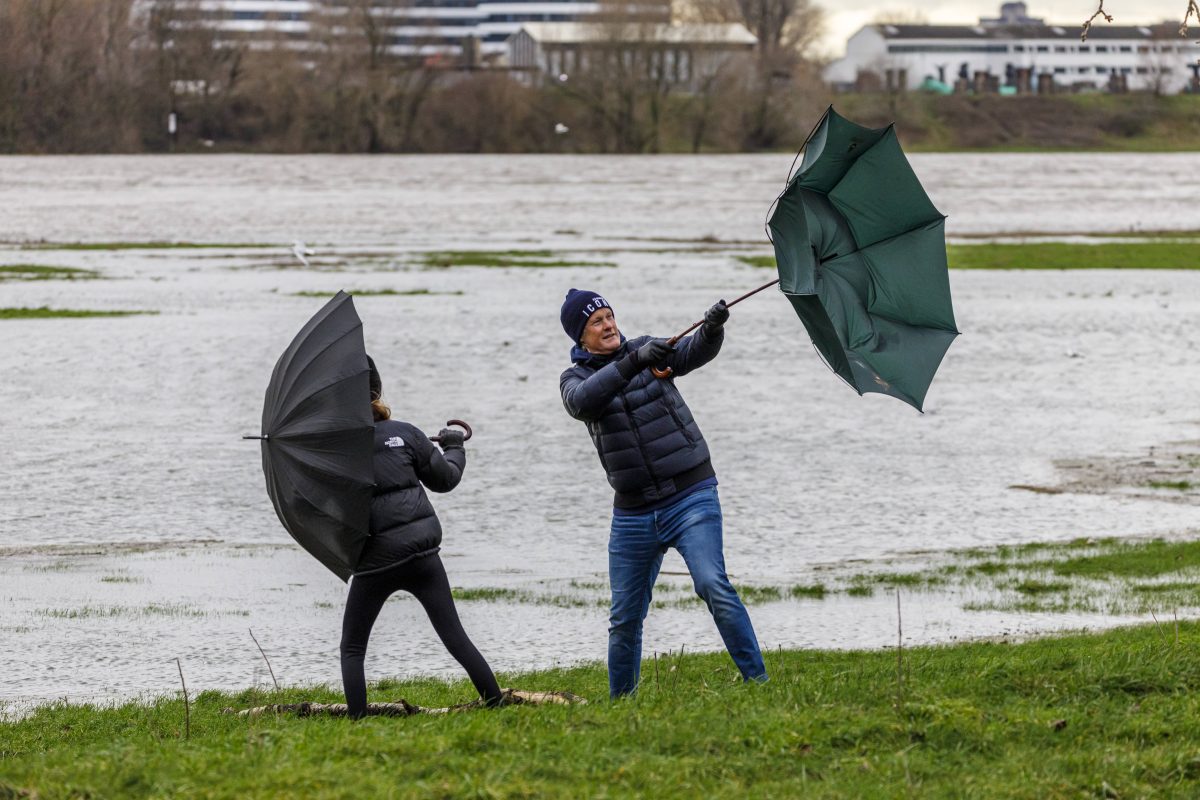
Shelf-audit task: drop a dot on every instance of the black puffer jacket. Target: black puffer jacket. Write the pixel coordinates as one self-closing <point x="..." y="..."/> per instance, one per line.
<point x="403" y="523"/>
<point x="648" y="442"/>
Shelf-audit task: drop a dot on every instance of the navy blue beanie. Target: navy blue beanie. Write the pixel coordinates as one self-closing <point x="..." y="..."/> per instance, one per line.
<point x="576" y="310"/>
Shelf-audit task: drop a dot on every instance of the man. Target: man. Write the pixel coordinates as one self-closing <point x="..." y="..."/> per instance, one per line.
<point x="658" y="464"/>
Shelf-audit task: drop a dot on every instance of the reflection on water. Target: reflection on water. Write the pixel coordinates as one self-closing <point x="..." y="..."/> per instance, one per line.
<point x="128" y="430"/>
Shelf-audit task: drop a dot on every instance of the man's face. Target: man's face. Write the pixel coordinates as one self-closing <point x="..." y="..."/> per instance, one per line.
<point x="600" y="335"/>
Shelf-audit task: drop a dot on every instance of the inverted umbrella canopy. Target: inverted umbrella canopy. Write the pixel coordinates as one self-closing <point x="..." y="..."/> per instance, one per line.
<point x="318" y="436"/>
<point x="861" y="252"/>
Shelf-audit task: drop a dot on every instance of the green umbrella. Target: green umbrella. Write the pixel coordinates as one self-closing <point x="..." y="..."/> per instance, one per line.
<point x="861" y="253"/>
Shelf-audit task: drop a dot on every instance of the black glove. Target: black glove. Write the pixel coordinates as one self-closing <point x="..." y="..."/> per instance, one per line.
<point x="451" y="437"/>
<point x="650" y="354"/>
<point x="716" y="316"/>
<point x="653" y="352"/>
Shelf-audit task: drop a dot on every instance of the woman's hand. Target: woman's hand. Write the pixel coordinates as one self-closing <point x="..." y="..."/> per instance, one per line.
<point x="450" y="437"/>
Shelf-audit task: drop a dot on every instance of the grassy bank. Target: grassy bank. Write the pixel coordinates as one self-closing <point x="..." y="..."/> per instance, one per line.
<point x="1068" y="122"/>
<point x="1059" y="255"/>
<point x="1109" y="715"/>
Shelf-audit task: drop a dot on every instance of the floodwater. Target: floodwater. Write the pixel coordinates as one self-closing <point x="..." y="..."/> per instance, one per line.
<point x="134" y="523"/>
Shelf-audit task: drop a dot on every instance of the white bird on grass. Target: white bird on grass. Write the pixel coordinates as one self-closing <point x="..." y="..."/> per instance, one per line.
<point x="560" y="129"/>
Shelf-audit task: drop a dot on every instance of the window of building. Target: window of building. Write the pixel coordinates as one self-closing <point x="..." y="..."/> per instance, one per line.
<point x="1085" y="48"/>
<point x="1043" y="48"/>
<point x="1085" y="69"/>
<point x="1142" y="70"/>
<point x="1059" y="70"/>
<point x="1101" y="48"/>
<point x="1101" y="69"/>
<point x="1126" y="48"/>
<point x="1058" y="48"/>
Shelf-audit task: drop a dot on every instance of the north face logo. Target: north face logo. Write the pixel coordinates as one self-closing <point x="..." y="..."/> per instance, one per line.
<point x="395" y="441"/>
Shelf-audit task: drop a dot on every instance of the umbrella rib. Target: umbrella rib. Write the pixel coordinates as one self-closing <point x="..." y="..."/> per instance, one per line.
<point x="293" y="348"/>
<point x="278" y="412"/>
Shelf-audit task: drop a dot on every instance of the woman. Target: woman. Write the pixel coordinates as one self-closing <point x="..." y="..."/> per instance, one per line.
<point x="402" y="552"/>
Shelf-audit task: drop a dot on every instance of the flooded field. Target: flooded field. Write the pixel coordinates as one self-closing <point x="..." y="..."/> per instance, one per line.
<point x="135" y="527"/>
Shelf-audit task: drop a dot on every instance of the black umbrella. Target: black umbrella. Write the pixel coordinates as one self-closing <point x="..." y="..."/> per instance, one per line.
<point x="318" y="434"/>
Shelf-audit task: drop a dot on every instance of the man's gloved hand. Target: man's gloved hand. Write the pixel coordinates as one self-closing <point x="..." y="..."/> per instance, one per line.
<point x="451" y="437"/>
<point x="653" y="352"/>
<point x="716" y="316"/>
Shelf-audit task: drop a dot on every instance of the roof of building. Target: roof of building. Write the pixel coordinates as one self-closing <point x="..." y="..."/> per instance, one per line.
<point x="694" y="33"/>
<point x="1164" y="30"/>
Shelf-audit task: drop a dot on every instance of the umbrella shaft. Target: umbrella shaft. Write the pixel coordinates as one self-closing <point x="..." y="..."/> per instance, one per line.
<point x="675" y="339"/>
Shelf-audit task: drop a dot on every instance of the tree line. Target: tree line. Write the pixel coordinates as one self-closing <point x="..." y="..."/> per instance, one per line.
<point x="105" y="76"/>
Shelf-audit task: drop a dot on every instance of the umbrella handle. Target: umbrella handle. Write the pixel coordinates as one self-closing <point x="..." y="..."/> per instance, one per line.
<point x="662" y="373"/>
<point x="666" y="372"/>
<point x="460" y="424"/>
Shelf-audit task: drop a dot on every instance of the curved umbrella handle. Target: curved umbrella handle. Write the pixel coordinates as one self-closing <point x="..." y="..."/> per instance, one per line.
<point x="662" y="373"/>
<point x="460" y="424"/>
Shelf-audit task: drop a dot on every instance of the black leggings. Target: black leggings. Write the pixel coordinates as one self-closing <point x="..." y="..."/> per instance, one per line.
<point x="424" y="577"/>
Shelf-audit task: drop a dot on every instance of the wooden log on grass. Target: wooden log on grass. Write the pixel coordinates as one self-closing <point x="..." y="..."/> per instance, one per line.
<point x="403" y="708"/>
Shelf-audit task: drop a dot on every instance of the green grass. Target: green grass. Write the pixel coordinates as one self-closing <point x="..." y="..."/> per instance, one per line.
<point x="530" y="259"/>
<point x="121" y="579"/>
<point x="149" y="610"/>
<point x="1062" y="255"/>
<point x="41" y="272"/>
<point x="148" y="246"/>
<point x="1181" y="486"/>
<point x="44" y="312"/>
<point x="1057" y="255"/>
<point x="1141" y="559"/>
<point x="379" y="293"/>
<point x="1109" y="715"/>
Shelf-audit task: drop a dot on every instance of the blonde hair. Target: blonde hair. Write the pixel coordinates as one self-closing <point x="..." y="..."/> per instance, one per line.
<point x="380" y="410"/>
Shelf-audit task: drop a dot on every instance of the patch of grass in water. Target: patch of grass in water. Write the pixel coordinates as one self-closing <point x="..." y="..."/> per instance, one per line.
<point x="121" y="579"/>
<point x="45" y="312"/>
<point x="532" y="259"/>
<point x="1160" y="588"/>
<point x="1066" y="255"/>
<point x="494" y="594"/>
<point x="907" y="579"/>
<point x="1035" y="587"/>
<point x="1130" y="560"/>
<point x="153" y="609"/>
<point x="816" y="591"/>
<point x="1056" y="255"/>
<point x="861" y="590"/>
<point x="1180" y="486"/>
<point x="988" y="568"/>
<point x="380" y="293"/>
<point x="148" y="246"/>
<point x="53" y="566"/>
<point x="588" y="585"/>
<point x="759" y="594"/>
<point x="41" y="272"/>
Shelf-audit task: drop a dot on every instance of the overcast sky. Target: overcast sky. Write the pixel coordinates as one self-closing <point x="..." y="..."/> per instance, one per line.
<point x="844" y="17"/>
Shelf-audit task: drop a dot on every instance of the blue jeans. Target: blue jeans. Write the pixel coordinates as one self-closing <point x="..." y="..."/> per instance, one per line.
<point x="635" y="551"/>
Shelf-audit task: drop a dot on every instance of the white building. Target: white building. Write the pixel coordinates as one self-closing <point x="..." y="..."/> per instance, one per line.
<point x="413" y="27"/>
<point x="683" y="55"/>
<point x="1021" y="52"/>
